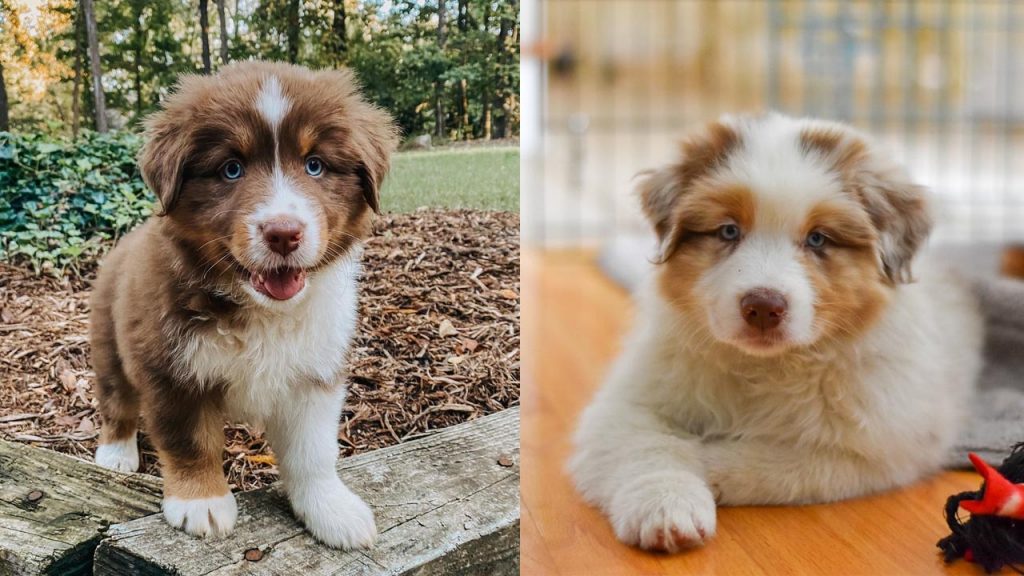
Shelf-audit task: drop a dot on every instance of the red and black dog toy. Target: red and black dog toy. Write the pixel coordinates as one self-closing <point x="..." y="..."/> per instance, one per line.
<point x="993" y="536"/>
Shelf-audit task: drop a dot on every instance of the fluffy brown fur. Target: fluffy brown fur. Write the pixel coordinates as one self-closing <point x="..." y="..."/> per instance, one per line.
<point x="181" y="275"/>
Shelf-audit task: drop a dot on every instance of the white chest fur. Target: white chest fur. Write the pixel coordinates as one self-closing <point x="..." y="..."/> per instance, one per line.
<point x="278" y="349"/>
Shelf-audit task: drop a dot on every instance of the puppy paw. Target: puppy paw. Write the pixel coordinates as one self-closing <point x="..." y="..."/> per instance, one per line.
<point x="202" y="516"/>
<point x="334" y="515"/>
<point x="122" y="456"/>
<point x="667" y="513"/>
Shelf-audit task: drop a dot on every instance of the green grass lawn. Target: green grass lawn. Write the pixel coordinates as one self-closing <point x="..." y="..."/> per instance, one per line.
<point x="480" y="178"/>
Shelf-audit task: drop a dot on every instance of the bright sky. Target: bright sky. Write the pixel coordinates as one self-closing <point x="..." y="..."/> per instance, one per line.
<point x="29" y="11"/>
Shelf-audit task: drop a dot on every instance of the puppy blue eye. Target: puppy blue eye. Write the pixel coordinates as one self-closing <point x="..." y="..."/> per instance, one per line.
<point x="729" y="232"/>
<point x="816" y="240"/>
<point x="314" y="166"/>
<point x="232" y="170"/>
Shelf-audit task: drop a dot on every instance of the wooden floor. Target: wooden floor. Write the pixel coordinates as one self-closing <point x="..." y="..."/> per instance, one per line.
<point x="573" y="320"/>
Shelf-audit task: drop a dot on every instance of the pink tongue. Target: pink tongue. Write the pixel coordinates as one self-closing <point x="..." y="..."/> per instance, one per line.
<point x="281" y="284"/>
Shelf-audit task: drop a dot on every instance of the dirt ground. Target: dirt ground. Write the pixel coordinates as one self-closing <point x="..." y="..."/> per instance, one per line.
<point x="438" y="344"/>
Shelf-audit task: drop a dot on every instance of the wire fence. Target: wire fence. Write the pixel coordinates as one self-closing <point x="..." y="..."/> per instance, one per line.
<point x="936" y="82"/>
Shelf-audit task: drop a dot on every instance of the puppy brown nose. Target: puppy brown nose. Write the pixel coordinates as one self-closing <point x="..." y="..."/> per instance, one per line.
<point x="282" y="235"/>
<point x="763" y="308"/>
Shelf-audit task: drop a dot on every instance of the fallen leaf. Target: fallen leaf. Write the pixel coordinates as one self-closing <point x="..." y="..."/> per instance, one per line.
<point x="86" y="425"/>
<point x="66" y="420"/>
<point x="67" y="380"/>
<point x="447" y="328"/>
<point x="508" y="294"/>
<point x="261" y="459"/>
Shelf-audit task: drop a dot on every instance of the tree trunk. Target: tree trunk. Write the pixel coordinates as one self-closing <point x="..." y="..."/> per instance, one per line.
<point x="140" y="45"/>
<point x="223" y="21"/>
<point x="464" y="104"/>
<point x="502" y="58"/>
<point x="234" y="24"/>
<point x="76" y="91"/>
<point x="76" y="86"/>
<point x="339" y="32"/>
<point x="485" y="119"/>
<point x="204" y="34"/>
<point x="5" y="121"/>
<point x="58" y="106"/>
<point x="463" y="23"/>
<point x="99" y="102"/>
<point x="293" y="31"/>
<point x="442" y="16"/>
<point x="487" y="115"/>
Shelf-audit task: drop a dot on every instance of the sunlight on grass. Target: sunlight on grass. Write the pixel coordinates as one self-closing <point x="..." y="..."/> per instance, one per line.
<point x="479" y="178"/>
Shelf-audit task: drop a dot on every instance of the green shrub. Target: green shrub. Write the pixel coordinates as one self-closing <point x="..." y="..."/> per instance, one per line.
<point x="62" y="202"/>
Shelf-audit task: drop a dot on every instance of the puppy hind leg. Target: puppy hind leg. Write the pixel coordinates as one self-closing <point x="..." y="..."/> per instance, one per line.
<point x="119" y="410"/>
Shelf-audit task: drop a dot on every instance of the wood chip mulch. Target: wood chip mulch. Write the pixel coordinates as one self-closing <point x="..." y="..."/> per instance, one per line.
<point x="438" y="344"/>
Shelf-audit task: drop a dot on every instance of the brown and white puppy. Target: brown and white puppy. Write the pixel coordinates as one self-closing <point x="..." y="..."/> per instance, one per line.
<point x="239" y="300"/>
<point x="783" y="353"/>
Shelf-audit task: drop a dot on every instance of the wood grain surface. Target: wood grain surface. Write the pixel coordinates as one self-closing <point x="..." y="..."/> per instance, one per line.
<point x="447" y="503"/>
<point x="573" y="321"/>
<point x="53" y="509"/>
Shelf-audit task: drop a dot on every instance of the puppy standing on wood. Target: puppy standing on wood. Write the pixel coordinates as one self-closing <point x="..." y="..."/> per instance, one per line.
<point x="782" y="353"/>
<point x="239" y="300"/>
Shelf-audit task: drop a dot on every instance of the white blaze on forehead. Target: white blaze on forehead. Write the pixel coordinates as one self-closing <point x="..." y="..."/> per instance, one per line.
<point x="272" y="103"/>
<point x="786" y="181"/>
<point x="285" y="198"/>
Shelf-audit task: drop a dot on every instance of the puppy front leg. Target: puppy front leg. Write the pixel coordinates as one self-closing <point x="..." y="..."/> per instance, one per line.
<point x="188" y="431"/>
<point x="756" y="473"/>
<point x="646" y="478"/>
<point x="304" y="436"/>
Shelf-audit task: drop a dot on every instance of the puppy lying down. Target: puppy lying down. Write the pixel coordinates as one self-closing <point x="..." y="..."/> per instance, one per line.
<point x="785" y="351"/>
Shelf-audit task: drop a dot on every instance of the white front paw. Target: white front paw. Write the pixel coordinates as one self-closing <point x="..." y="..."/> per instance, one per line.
<point x="202" y="516"/>
<point x="334" y="515"/>
<point x="122" y="455"/>
<point x="665" y="512"/>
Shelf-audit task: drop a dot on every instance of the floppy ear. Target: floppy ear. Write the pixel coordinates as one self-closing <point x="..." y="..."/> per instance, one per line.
<point x="897" y="206"/>
<point x="378" y="139"/>
<point x="660" y="190"/>
<point x="373" y="133"/>
<point x="163" y="156"/>
<point x="900" y="212"/>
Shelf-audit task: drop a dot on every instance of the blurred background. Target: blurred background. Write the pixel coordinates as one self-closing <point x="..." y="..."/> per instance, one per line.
<point x="610" y="86"/>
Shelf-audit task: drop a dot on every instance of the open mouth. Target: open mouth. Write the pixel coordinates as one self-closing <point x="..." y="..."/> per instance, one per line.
<point x="279" y="284"/>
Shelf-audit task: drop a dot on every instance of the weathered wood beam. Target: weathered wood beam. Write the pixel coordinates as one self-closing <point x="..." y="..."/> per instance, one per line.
<point x="447" y="503"/>
<point x="53" y="509"/>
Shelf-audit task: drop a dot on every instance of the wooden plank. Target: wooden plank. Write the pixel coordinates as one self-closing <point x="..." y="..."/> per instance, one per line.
<point x="444" y="505"/>
<point x="53" y="509"/>
<point x="573" y="320"/>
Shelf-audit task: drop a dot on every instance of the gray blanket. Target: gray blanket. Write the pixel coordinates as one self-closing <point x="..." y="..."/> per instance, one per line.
<point x="997" y="420"/>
